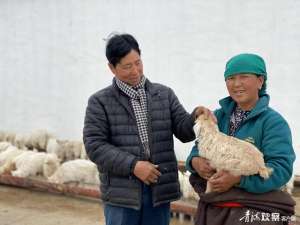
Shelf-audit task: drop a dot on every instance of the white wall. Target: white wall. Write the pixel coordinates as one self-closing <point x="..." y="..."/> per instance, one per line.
<point x="52" y="54"/>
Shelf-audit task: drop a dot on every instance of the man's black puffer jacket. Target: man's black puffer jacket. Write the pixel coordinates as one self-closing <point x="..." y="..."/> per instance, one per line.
<point x="112" y="141"/>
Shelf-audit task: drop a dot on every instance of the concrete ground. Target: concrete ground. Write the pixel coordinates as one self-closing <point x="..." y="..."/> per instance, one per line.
<point x="20" y="206"/>
<point x="25" y="207"/>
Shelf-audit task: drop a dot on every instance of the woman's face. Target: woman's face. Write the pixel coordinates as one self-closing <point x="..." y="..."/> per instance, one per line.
<point x="244" y="88"/>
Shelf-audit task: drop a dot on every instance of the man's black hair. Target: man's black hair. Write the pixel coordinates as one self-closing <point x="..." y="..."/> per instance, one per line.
<point x="118" y="46"/>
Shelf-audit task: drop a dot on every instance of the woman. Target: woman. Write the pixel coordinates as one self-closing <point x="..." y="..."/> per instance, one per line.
<point x="246" y="114"/>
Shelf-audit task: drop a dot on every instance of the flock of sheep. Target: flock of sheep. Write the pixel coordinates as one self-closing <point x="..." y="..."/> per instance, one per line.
<point x="59" y="161"/>
<point x="40" y="153"/>
<point x="64" y="161"/>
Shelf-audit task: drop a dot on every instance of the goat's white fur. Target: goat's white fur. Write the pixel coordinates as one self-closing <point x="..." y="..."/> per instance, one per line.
<point x="7" y="156"/>
<point x="54" y="146"/>
<point x="4" y="145"/>
<point x="21" y="140"/>
<point x="7" y="136"/>
<point x="228" y="153"/>
<point x="79" y="170"/>
<point x="38" y="139"/>
<point x="289" y="186"/>
<point x="31" y="163"/>
<point x="185" y="186"/>
<point x="66" y="150"/>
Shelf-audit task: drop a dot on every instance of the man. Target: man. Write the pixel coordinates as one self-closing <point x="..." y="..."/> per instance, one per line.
<point x="128" y="133"/>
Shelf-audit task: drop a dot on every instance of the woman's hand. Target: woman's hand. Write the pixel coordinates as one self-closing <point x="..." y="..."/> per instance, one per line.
<point x="202" y="167"/>
<point x="222" y="181"/>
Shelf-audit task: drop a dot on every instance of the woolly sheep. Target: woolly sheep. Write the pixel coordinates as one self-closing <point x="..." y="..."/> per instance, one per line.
<point x="21" y="140"/>
<point x="33" y="163"/>
<point x="7" y="156"/>
<point x="228" y="153"/>
<point x="289" y="186"/>
<point x="83" y="154"/>
<point x="51" y="164"/>
<point x="38" y="139"/>
<point x="7" y="136"/>
<point x="55" y="146"/>
<point x="72" y="149"/>
<point x="4" y="145"/>
<point x="185" y="186"/>
<point x="66" y="150"/>
<point x="79" y="170"/>
<point x="2" y="136"/>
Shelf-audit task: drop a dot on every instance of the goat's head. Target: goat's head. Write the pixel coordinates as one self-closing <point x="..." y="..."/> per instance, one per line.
<point x="203" y="125"/>
<point x="51" y="163"/>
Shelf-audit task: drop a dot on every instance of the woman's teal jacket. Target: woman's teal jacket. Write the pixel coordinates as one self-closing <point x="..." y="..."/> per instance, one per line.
<point x="270" y="133"/>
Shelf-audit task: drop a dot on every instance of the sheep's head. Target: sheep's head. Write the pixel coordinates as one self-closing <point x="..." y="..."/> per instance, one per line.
<point x="203" y="125"/>
<point x="51" y="163"/>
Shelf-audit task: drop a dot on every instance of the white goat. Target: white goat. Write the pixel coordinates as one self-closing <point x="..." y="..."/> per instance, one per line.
<point x="7" y="136"/>
<point x="38" y="139"/>
<point x="83" y="154"/>
<point x="79" y="170"/>
<point x="7" y="156"/>
<point x="32" y="163"/>
<point x="55" y="146"/>
<point x="72" y="149"/>
<point x="2" y="136"/>
<point x="21" y="140"/>
<point x="185" y="186"/>
<point x="228" y="153"/>
<point x="66" y="150"/>
<point x="4" y="145"/>
<point x="289" y="186"/>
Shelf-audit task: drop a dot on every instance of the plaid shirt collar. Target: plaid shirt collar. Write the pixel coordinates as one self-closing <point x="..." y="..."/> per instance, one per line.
<point x="138" y="101"/>
<point x="130" y="90"/>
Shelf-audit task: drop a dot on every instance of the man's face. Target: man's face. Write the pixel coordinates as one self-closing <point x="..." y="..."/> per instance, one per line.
<point x="129" y="69"/>
<point x="244" y="88"/>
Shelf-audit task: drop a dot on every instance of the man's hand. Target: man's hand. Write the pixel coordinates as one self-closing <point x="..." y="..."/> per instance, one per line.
<point x="146" y="172"/>
<point x="206" y="112"/>
<point x="223" y="181"/>
<point x="202" y="167"/>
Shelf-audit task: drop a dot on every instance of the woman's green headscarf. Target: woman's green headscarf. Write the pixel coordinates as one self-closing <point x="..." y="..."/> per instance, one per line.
<point x="247" y="63"/>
